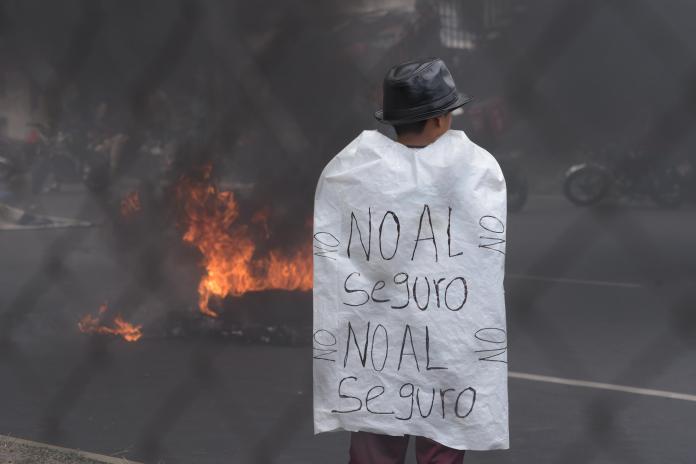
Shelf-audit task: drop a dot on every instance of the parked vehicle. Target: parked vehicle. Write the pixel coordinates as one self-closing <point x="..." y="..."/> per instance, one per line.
<point x="634" y="176"/>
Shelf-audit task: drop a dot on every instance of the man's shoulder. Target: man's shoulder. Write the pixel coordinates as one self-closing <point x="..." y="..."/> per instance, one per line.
<point x="363" y="148"/>
<point x="460" y="141"/>
<point x="475" y="154"/>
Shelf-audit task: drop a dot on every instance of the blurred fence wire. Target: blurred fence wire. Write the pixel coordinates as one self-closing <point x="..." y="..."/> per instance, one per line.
<point x="245" y="58"/>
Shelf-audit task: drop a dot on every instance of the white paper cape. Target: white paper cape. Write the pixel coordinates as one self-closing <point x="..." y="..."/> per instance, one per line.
<point x="412" y="340"/>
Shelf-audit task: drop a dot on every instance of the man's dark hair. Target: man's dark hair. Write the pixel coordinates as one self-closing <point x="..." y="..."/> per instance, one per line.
<point x="410" y="127"/>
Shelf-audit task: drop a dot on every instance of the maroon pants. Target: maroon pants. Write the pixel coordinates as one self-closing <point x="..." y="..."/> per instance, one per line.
<point x="372" y="448"/>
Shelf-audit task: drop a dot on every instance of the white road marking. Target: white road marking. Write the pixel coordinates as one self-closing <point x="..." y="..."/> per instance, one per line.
<point x="563" y="280"/>
<point x="603" y="386"/>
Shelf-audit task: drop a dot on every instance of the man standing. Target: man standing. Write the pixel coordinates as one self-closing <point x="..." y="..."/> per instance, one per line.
<point x="409" y="313"/>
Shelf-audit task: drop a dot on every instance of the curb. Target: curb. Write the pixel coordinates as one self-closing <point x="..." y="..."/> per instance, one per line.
<point x="18" y="451"/>
<point x="18" y="219"/>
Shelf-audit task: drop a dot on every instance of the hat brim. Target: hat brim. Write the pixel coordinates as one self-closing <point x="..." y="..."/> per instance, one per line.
<point x="460" y="101"/>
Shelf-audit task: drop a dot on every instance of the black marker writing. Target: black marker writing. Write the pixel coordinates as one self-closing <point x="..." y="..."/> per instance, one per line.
<point x="495" y="336"/>
<point x="325" y="243"/>
<point x="449" y="235"/>
<point x="492" y="225"/>
<point x="426" y="209"/>
<point x="354" y="221"/>
<point x="324" y="341"/>
<point x="395" y="219"/>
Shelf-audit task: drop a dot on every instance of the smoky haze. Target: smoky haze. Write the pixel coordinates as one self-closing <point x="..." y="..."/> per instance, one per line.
<point x="274" y="91"/>
<point x="127" y="128"/>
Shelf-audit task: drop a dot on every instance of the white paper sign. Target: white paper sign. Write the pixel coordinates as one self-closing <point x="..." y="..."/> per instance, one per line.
<point x="409" y="311"/>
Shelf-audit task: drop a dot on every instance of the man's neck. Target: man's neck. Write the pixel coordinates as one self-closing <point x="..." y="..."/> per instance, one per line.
<point x="416" y="140"/>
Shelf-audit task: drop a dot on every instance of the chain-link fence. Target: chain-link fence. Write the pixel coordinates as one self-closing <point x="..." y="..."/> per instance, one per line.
<point x="104" y="101"/>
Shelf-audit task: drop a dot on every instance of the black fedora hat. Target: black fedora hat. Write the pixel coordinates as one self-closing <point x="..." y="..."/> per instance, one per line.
<point x="418" y="90"/>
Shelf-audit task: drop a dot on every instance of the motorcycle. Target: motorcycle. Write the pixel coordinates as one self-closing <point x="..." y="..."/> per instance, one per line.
<point x="588" y="183"/>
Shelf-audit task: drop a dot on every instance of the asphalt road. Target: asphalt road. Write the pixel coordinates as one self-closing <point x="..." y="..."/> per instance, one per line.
<point x="602" y="296"/>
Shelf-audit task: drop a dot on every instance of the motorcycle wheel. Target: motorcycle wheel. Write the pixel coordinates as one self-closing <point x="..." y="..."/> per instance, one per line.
<point x="667" y="190"/>
<point x="586" y="186"/>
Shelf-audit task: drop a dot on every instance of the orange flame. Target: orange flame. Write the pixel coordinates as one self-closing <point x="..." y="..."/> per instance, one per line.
<point x="230" y="257"/>
<point x="130" y="204"/>
<point x="93" y="324"/>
